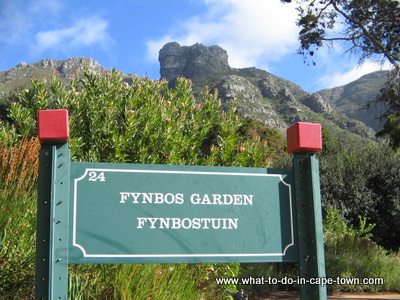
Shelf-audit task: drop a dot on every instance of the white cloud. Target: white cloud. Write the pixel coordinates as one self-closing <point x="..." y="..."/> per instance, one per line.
<point x="83" y="33"/>
<point x="254" y="32"/>
<point x="42" y="25"/>
<point x="18" y="18"/>
<point x="154" y="46"/>
<point x="45" y="7"/>
<point x="339" y="78"/>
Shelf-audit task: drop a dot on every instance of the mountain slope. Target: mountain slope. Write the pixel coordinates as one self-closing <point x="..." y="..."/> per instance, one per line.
<point x="260" y="95"/>
<point x="279" y="103"/>
<point x="351" y="98"/>
<point x="20" y="75"/>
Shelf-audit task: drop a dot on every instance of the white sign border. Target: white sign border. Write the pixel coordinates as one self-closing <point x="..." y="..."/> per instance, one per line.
<point x="85" y="254"/>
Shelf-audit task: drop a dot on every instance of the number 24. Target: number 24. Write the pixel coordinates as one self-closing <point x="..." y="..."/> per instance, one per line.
<point x="94" y="177"/>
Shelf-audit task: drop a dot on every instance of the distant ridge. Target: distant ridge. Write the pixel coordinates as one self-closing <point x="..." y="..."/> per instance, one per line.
<point x="66" y="69"/>
<point x="349" y="98"/>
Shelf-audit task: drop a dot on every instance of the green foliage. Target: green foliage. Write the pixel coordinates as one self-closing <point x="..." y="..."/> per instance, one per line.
<point x="18" y="170"/>
<point x="355" y="257"/>
<point x="371" y="28"/>
<point x="135" y="285"/>
<point x="351" y="254"/>
<point x="392" y="129"/>
<point x="220" y="271"/>
<point x="141" y="121"/>
<point x="390" y="98"/>
<point x="256" y="270"/>
<point x="270" y="270"/>
<point x="8" y="133"/>
<point x="18" y="177"/>
<point x="364" y="182"/>
<point x="336" y="228"/>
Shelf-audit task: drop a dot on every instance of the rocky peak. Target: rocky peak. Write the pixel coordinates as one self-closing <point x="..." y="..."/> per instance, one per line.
<point x="249" y="100"/>
<point x="317" y="104"/>
<point x="65" y="69"/>
<point x="77" y="63"/>
<point x="191" y="61"/>
<point x="47" y="63"/>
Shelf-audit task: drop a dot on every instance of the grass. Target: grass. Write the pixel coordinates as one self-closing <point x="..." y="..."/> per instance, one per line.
<point x="351" y="254"/>
<point x="18" y="175"/>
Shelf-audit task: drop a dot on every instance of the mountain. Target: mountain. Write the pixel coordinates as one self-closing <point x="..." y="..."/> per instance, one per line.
<point x="351" y="98"/>
<point x="193" y="61"/>
<point x="260" y="95"/>
<point x="271" y="99"/>
<point x="21" y="74"/>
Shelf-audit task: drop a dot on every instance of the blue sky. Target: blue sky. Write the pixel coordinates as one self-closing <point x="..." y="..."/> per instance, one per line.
<point x="127" y="35"/>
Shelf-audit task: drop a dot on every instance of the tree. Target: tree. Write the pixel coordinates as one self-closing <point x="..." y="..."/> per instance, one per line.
<point x="390" y="95"/>
<point x="364" y="182"/>
<point x="371" y="31"/>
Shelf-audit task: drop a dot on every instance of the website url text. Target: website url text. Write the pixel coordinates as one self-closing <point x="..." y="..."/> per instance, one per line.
<point x="322" y="281"/>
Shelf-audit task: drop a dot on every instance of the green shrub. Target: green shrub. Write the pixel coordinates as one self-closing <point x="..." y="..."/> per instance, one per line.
<point x="363" y="181"/>
<point x="142" y="122"/>
<point x="350" y="253"/>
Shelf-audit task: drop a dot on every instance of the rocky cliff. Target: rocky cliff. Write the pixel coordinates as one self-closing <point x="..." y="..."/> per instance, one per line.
<point x="192" y="61"/>
<point x="64" y="69"/>
<point x="351" y="98"/>
<point x="259" y="94"/>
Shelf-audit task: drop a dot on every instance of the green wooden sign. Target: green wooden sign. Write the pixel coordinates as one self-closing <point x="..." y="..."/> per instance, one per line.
<point x="127" y="213"/>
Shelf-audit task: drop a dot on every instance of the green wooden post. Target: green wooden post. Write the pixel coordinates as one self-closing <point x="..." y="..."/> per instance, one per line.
<point x="309" y="224"/>
<point x="43" y="223"/>
<point x="304" y="139"/>
<point x="51" y="279"/>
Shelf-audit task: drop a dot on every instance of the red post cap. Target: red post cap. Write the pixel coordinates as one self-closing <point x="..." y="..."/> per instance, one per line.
<point x="304" y="137"/>
<point x="53" y="125"/>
